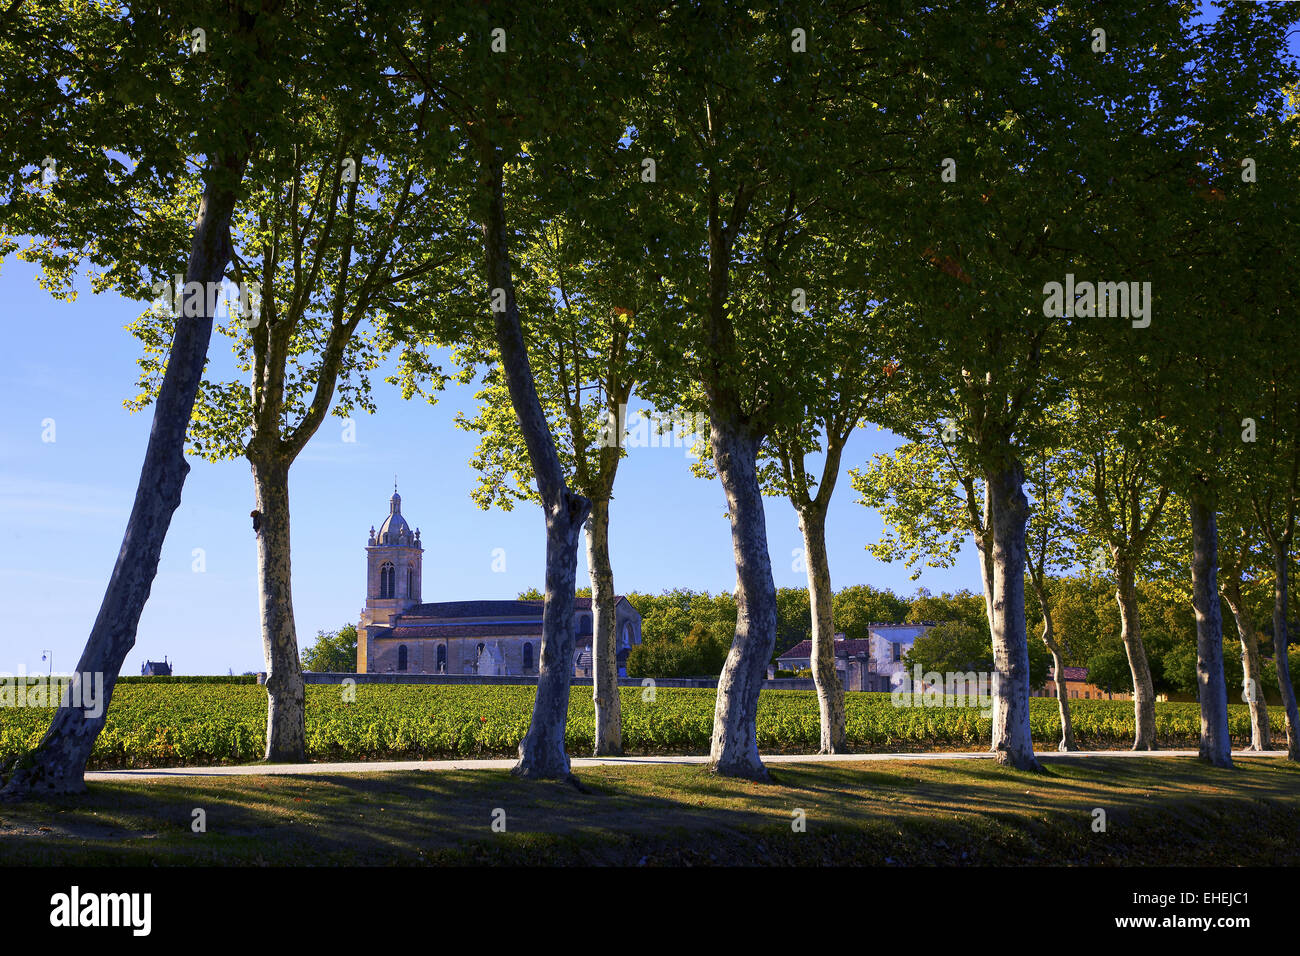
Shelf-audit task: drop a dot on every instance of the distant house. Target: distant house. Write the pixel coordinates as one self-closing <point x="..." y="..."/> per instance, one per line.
<point x="156" y="669"/>
<point x="873" y="663"/>
<point x="1077" y="687"/>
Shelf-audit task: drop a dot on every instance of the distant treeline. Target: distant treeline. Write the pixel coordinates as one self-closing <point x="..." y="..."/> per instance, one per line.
<point x="686" y="633"/>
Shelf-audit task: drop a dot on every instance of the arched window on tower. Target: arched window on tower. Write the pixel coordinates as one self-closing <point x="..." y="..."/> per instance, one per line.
<point x="410" y="582"/>
<point x="528" y="658"/>
<point x="401" y="657"/>
<point x="387" y="580"/>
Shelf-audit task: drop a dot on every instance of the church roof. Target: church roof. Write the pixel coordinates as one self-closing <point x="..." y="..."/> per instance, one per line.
<point x="394" y="532"/>
<point x="486" y="629"/>
<point x="394" y="524"/>
<point x="477" y="609"/>
<point x="494" y="609"/>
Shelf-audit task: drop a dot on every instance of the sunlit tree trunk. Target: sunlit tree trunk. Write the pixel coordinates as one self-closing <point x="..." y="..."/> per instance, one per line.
<point x="1067" y="743"/>
<point x="286" y="695"/>
<point x="733" y="750"/>
<point x="1008" y="514"/>
<point x="830" y="692"/>
<point x="1261" y="737"/>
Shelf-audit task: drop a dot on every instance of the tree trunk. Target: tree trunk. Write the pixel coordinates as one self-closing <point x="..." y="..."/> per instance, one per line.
<point x="984" y="547"/>
<point x="1281" y="644"/>
<point x="830" y="693"/>
<point x="734" y="748"/>
<point x="1216" y="745"/>
<point x="604" y="640"/>
<point x="58" y="764"/>
<point x="1067" y="743"/>
<point x="286" y="729"/>
<point x="541" y="752"/>
<point x="1144" y="698"/>
<point x="1008" y="514"/>
<point x="1261" y="737"/>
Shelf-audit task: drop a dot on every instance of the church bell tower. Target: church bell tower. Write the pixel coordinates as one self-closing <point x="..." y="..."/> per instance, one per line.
<point x="393" y="573"/>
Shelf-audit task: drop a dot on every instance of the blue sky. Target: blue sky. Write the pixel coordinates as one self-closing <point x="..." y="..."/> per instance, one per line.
<point x="64" y="504"/>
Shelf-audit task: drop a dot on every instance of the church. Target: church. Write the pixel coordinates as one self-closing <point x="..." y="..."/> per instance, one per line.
<point x="398" y="634"/>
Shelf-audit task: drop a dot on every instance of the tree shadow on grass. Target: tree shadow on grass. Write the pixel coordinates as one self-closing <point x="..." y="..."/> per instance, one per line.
<point x="949" y="812"/>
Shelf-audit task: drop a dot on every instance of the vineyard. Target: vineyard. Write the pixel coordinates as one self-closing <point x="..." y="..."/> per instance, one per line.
<point x="158" y="725"/>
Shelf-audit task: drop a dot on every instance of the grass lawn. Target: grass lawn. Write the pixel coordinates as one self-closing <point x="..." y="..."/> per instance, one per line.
<point x="1170" y="811"/>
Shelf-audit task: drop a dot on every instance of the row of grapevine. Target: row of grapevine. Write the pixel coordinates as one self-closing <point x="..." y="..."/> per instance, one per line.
<point x="175" y="724"/>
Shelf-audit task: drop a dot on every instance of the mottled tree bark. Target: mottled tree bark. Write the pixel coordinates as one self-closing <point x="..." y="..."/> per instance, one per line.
<point x="1067" y="743"/>
<point x="1261" y="737"/>
<point x="286" y="696"/>
<point x="1281" y="645"/>
<point x="604" y="640"/>
<point x="979" y="519"/>
<point x="1144" y="698"/>
<point x="734" y="747"/>
<point x="1008" y="515"/>
<point x="58" y="764"/>
<point x="1216" y="745"/>
<point x="830" y="693"/>
<point x="541" y="752"/>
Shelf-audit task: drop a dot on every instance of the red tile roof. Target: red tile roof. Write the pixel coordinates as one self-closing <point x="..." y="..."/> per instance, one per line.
<point x="1071" y="674"/>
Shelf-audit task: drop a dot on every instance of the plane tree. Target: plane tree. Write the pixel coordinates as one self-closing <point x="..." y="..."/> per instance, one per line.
<point x="1241" y="561"/>
<point x="340" y="231"/>
<point x="586" y="305"/>
<point x="116" y="109"/>
<point x="1039" y="133"/>
<point x="1223" y="311"/>
<point x="1117" y="504"/>
<point x="1050" y="549"/>
<point x="1268" y="457"/>
<point x="488" y="73"/>
<point x="762" y="126"/>
<point x="842" y="372"/>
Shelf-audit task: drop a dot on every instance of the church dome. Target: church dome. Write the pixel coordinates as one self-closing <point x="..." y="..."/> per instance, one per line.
<point x="395" y="530"/>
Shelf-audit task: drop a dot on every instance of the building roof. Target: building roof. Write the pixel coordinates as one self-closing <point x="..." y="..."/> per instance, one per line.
<point x="459" y="609"/>
<point x="1072" y="673"/>
<point x="494" y="609"/>
<point x="395" y="531"/>
<point x="485" y="630"/>
<point x="844" y="648"/>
